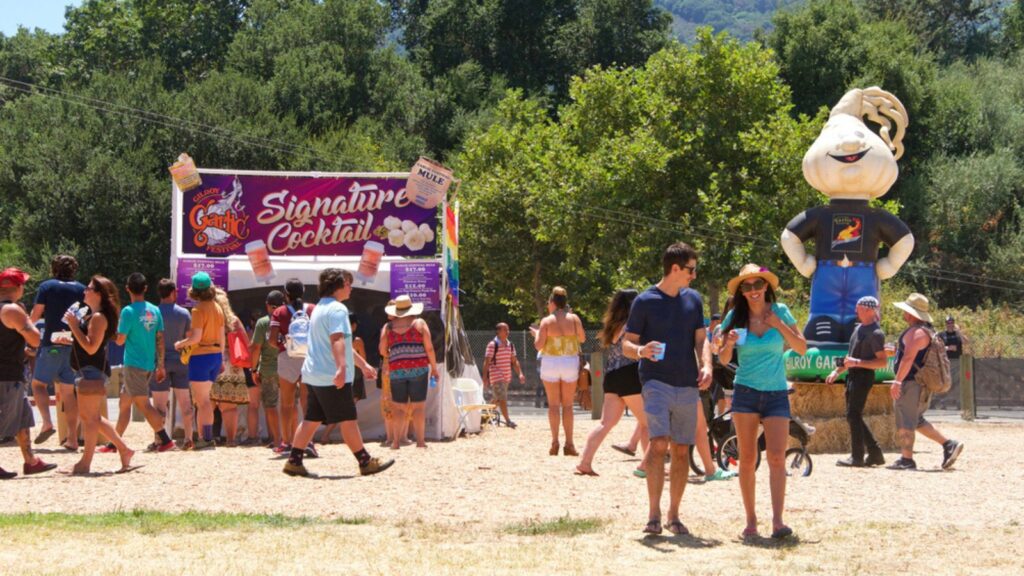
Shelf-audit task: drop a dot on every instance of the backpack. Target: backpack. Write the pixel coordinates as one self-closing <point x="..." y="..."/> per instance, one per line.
<point x="934" y="375"/>
<point x="497" y="344"/>
<point x="296" y="344"/>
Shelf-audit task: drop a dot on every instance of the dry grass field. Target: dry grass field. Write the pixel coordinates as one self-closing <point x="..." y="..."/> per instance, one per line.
<point x="498" y="504"/>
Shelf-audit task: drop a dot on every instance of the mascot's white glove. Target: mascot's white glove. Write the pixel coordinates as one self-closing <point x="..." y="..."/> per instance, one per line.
<point x="804" y="263"/>
<point x="898" y="253"/>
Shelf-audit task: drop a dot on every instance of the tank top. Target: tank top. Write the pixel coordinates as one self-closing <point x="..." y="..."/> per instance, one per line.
<point x="918" y="360"/>
<point x="407" y="356"/>
<point x="615" y="358"/>
<point x="81" y="359"/>
<point x="12" y="352"/>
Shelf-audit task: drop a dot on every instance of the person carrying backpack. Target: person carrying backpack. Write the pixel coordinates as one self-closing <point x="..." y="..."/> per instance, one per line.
<point x="922" y="369"/>
<point x="289" y="328"/>
<point x="499" y="361"/>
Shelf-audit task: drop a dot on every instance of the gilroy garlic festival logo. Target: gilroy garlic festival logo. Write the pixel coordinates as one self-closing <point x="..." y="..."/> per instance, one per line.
<point x="218" y="220"/>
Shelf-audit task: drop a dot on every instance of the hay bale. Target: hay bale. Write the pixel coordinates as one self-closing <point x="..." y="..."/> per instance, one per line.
<point x="832" y="435"/>
<point x="812" y="400"/>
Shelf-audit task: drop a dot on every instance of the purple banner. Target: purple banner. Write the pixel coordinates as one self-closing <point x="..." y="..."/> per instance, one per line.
<point x="420" y="280"/>
<point x="187" y="267"/>
<point x="304" y="216"/>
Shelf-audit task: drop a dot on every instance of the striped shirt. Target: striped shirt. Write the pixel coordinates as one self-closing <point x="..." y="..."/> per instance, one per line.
<point x="500" y="369"/>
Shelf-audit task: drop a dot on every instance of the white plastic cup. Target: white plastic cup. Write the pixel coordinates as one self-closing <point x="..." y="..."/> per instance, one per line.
<point x="742" y="334"/>
<point x="659" y="355"/>
<point x="259" y="259"/>
<point x="369" y="264"/>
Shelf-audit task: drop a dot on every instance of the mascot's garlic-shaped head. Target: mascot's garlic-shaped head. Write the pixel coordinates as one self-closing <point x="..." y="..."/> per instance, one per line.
<point x="850" y="161"/>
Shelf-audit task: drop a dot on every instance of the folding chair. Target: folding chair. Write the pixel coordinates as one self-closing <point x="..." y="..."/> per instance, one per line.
<point x="469" y="398"/>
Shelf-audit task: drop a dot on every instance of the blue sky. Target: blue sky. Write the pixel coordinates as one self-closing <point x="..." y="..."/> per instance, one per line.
<point x="45" y="14"/>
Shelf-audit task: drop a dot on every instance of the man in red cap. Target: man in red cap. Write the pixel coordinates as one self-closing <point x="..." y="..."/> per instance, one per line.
<point x="15" y="330"/>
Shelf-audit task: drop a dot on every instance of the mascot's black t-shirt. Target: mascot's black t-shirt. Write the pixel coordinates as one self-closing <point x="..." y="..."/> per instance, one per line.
<point x="848" y="228"/>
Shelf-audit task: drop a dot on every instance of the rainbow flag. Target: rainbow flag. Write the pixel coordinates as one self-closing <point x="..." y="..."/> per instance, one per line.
<point x="451" y="244"/>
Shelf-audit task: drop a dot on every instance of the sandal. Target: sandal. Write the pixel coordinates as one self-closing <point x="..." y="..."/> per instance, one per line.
<point x="653" y="527"/>
<point x="570" y="450"/>
<point x="554" y="449"/>
<point x="640" y="473"/>
<point x="676" y="527"/>
<point x="624" y="449"/>
<point x="582" y="472"/>
<point x="783" y="532"/>
<point x="44" y="435"/>
<point x="748" y="534"/>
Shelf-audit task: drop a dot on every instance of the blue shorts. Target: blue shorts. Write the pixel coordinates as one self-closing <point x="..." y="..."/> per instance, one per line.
<point x="53" y="363"/>
<point x="671" y="411"/>
<point x="835" y="290"/>
<point x="204" y="367"/>
<point x="177" y="378"/>
<point x="747" y="400"/>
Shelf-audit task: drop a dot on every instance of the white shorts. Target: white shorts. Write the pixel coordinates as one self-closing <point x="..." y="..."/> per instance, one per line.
<point x="289" y="368"/>
<point x="560" y="368"/>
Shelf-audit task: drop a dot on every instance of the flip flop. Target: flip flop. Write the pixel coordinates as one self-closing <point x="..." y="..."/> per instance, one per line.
<point x="44" y="436"/>
<point x="579" y="472"/>
<point x="130" y="468"/>
<point x="653" y="527"/>
<point x="624" y="449"/>
<point x="748" y="534"/>
<point x="676" y="527"/>
<point x="784" y="532"/>
<point x="640" y="473"/>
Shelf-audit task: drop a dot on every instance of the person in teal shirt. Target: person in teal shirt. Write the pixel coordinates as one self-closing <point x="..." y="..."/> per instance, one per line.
<point x="761" y="328"/>
<point x="141" y="330"/>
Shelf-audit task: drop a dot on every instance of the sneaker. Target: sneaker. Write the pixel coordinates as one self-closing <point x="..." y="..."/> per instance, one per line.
<point x="107" y="448"/>
<point x="374" y="466"/>
<point x="295" y="469"/>
<point x="311" y="451"/>
<point x="950" y="452"/>
<point x="283" y="449"/>
<point x="875" y="459"/>
<point x="38" y="467"/>
<point x="720" y="475"/>
<point x="903" y="464"/>
<point x="205" y="445"/>
<point x="511" y="424"/>
<point x="166" y="447"/>
<point x="849" y="463"/>
<point x="5" y="475"/>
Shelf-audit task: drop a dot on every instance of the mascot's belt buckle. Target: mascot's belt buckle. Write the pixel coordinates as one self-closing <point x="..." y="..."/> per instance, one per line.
<point x="845" y="262"/>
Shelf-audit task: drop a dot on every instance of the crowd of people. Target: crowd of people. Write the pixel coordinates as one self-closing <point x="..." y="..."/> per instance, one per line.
<point x="661" y="358"/>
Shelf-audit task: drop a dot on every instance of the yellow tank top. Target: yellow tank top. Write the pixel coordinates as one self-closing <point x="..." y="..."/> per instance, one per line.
<point x="561" y="346"/>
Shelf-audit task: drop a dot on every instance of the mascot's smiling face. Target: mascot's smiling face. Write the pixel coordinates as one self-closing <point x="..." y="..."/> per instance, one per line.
<point x="849" y="161"/>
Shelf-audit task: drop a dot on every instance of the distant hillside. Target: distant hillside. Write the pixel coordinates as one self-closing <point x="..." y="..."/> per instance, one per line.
<point x="739" y="17"/>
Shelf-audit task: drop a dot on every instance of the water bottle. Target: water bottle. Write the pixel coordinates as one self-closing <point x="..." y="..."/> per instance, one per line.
<point x="433" y="381"/>
<point x="73" y="309"/>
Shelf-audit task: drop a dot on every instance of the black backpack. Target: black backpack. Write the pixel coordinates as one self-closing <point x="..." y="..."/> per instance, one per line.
<point x="497" y="344"/>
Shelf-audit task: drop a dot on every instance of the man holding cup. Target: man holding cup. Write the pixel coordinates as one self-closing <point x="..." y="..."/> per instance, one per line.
<point x="666" y="332"/>
<point x="867" y="353"/>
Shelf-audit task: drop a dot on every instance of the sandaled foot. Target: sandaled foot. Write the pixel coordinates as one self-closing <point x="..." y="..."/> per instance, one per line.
<point x="782" y="532"/>
<point x="624" y="448"/>
<point x="44" y="435"/>
<point x="640" y="473"/>
<point x="749" y="533"/>
<point x="570" y="450"/>
<point x="554" y="449"/>
<point x="676" y="527"/>
<point x="653" y="527"/>
<point x="580" y="471"/>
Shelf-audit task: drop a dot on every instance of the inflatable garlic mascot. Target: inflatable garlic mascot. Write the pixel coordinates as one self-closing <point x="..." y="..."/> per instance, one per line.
<point x="851" y="165"/>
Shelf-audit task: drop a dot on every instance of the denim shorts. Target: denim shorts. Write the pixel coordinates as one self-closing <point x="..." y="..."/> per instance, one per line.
<point x="204" y="367"/>
<point x="414" y="389"/>
<point x="747" y="400"/>
<point x="177" y="378"/>
<point x="91" y="382"/>
<point x="53" y="363"/>
<point x="671" y="411"/>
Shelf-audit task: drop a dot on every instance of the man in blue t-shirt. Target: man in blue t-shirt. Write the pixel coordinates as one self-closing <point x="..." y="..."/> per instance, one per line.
<point x="328" y="372"/>
<point x="666" y="332"/>
<point x="53" y="360"/>
<point x="141" y="330"/>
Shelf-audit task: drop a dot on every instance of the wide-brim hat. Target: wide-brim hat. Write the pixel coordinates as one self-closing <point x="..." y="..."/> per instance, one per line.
<point x="753" y="271"/>
<point x="916" y="305"/>
<point x="404" y="306"/>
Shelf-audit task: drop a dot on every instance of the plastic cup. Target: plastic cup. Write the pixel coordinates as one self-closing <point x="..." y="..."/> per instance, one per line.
<point x="660" y="354"/>
<point x="369" y="264"/>
<point x="742" y="334"/>
<point x="259" y="259"/>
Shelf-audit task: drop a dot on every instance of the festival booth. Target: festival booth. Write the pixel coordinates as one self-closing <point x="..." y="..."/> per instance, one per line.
<point x="253" y="230"/>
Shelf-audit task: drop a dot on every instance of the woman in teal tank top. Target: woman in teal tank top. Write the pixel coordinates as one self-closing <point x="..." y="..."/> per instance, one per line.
<point x="761" y="328"/>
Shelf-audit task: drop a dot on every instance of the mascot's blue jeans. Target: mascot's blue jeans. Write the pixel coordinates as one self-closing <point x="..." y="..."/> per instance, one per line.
<point x="835" y="289"/>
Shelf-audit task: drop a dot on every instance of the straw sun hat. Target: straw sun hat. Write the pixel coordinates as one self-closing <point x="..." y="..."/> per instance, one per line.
<point x="753" y="271"/>
<point x="917" y="306"/>
<point x="404" y="306"/>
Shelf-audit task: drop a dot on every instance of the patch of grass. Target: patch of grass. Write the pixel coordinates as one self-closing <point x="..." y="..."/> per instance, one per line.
<point x="152" y="522"/>
<point x="564" y="526"/>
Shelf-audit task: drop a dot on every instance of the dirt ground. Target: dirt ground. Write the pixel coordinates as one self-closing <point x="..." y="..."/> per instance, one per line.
<point x="463" y="496"/>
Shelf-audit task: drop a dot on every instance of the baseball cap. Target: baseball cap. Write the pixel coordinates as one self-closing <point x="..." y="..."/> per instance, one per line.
<point x="201" y="281"/>
<point x="12" y="277"/>
<point x="868" y="302"/>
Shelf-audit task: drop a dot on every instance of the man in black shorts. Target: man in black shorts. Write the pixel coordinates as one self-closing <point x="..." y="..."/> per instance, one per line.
<point x="15" y="330"/>
<point x="329" y="370"/>
<point x="867" y="354"/>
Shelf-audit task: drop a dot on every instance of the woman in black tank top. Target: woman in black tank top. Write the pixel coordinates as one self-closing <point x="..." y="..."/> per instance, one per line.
<point x="88" y="357"/>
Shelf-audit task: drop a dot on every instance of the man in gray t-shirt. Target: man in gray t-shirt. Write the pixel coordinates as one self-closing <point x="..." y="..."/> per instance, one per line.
<point x="866" y="354"/>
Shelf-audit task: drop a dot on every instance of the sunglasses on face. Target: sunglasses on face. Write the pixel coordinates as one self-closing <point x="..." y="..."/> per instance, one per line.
<point x="758" y="284"/>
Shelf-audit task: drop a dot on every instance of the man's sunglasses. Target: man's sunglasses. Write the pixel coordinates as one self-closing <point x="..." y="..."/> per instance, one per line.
<point x="752" y="286"/>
